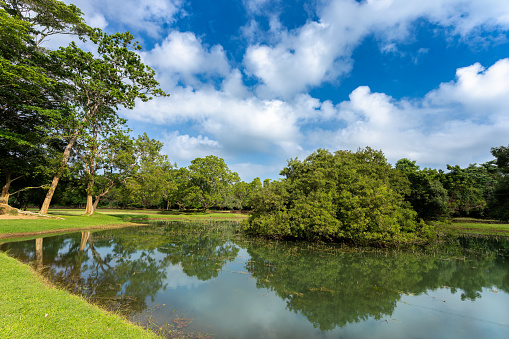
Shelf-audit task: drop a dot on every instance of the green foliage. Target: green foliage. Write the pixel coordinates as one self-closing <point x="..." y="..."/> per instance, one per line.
<point x="30" y="92"/>
<point x="469" y="189"/>
<point x="426" y="192"/>
<point x="209" y="181"/>
<point x="345" y="195"/>
<point x="241" y="194"/>
<point x="499" y="204"/>
<point x="152" y="181"/>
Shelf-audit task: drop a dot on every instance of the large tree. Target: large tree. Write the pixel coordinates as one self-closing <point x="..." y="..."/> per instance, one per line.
<point x="102" y="84"/>
<point x="346" y="195"/>
<point x="31" y="88"/>
<point x="210" y="180"/>
<point x="108" y="157"/>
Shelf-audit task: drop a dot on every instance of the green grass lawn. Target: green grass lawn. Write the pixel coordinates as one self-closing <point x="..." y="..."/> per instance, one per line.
<point x="73" y="219"/>
<point x="477" y="226"/>
<point x="31" y="308"/>
<point x="64" y="222"/>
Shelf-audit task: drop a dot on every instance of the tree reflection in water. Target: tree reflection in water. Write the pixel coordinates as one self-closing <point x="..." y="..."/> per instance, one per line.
<point x="331" y="287"/>
<point x="119" y="269"/>
<point x="328" y="285"/>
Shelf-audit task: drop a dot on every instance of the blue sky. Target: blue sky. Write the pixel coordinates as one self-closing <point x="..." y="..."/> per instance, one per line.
<point x="258" y="82"/>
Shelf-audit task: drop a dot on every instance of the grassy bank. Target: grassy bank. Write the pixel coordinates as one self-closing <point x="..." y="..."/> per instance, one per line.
<point x="471" y="226"/>
<point x="31" y="308"/>
<point x="65" y="220"/>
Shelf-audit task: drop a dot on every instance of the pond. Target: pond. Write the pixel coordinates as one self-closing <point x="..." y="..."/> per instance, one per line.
<point x="207" y="281"/>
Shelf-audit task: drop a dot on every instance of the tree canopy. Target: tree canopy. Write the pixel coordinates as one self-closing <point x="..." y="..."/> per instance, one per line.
<point x="342" y="195"/>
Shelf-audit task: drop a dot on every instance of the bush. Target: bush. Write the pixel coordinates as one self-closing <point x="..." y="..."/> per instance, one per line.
<point x="341" y="196"/>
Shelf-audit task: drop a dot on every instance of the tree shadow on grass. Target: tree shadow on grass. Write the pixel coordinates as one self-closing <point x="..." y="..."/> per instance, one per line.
<point x="137" y="219"/>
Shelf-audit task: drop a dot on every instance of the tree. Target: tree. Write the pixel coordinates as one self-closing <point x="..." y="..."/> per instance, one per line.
<point x="345" y="195"/>
<point x="210" y="179"/>
<point x="31" y="86"/>
<point x="116" y="78"/>
<point x="501" y="154"/>
<point x="108" y="157"/>
<point x="499" y="204"/>
<point x="153" y="180"/>
<point x="242" y="193"/>
<point x="469" y="189"/>
<point x="426" y="192"/>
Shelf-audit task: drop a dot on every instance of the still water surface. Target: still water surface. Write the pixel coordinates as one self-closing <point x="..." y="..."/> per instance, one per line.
<point x="205" y="279"/>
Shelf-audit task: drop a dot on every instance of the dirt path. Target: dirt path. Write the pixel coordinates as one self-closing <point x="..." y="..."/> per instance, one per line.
<point x="19" y="216"/>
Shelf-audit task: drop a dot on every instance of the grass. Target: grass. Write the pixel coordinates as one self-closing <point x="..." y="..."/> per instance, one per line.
<point x="73" y="219"/>
<point x="477" y="227"/>
<point x="31" y="308"/>
<point x="66" y="222"/>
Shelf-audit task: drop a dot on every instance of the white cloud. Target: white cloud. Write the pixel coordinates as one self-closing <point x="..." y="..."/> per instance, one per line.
<point x="300" y="61"/>
<point x="248" y="124"/>
<point x="183" y="148"/>
<point x="139" y="15"/>
<point x="481" y="92"/>
<point x="256" y="6"/>
<point x="97" y="20"/>
<point x="455" y="124"/>
<point x="320" y="50"/>
<point x="182" y="55"/>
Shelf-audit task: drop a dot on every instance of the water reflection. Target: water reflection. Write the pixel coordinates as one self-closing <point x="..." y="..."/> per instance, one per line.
<point x="332" y="288"/>
<point x="238" y="287"/>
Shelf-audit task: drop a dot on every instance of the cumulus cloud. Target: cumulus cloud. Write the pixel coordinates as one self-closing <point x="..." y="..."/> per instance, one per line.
<point x="247" y="124"/>
<point x="141" y="15"/>
<point x="321" y="50"/>
<point x="481" y="92"/>
<point x="183" y="148"/>
<point x="182" y="56"/>
<point x="457" y="123"/>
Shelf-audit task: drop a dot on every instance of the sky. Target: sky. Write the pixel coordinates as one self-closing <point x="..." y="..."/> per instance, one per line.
<point x="258" y="82"/>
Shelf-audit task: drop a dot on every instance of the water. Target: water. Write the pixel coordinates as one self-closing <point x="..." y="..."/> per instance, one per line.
<point x="209" y="281"/>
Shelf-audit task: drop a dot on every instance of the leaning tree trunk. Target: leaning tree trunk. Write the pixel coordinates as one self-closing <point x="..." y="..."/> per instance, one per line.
<point x="56" y="178"/>
<point x="4" y="199"/>
<point x="65" y="158"/>
<point x="98" y="197"/>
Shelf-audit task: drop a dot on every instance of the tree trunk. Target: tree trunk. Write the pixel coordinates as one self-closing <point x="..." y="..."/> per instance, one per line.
<point x="56" y="178"/>
<point x="89" y="209"/>
<point x="4" y="199"/>
<point x="103" y="193"/>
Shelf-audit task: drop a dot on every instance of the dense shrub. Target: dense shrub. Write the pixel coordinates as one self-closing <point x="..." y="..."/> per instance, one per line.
<point x="342" y="196"/>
